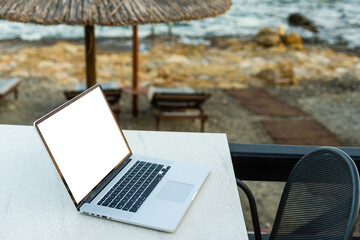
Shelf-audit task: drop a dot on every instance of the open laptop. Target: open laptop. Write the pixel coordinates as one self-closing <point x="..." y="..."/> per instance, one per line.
<point x="104" y="178"/>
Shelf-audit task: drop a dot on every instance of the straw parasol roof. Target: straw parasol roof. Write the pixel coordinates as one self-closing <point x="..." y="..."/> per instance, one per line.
<point x="109" y="12"/>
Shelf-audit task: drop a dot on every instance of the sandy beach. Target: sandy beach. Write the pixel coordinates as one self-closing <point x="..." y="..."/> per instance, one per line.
<point x="319" y="80"/>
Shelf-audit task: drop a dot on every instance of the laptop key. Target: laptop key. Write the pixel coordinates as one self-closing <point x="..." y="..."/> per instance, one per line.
<point x="149" y="189"/>
<point x="137" y="204"/>
<point x="133" y="209"/>
<point x="119" y="206"/>
<point x="105" y="203"/>
<point x="127" y="206"/>
<point x="159" y="167"/>
<point x="112" y="205"/>
<point x="141" y="198"/>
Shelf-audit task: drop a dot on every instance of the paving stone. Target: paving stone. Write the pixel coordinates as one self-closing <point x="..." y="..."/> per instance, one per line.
<point x="262" y="103"/>
<point x="300" y="132"/>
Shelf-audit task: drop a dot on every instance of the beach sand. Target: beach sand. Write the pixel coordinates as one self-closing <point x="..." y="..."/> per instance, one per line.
<point x="328" y="88"/>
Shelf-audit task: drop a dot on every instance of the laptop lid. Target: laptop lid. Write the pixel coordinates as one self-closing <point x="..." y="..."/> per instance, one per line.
<point x="84" y="142"/>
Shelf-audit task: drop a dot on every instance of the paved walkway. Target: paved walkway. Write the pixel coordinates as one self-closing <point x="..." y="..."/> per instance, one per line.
<point x="285" y="124"/>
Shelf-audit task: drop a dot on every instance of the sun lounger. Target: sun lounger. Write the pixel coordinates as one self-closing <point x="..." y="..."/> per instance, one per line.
<point x="8" y="86"/>
<point x="112" y="92"/>
<point x="182" y="103"/>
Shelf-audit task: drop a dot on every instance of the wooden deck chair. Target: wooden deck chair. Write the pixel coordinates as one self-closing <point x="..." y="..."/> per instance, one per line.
<point x="178" y="105"/>
<point x="8" y="86"/>
<point x="111" y="90"/>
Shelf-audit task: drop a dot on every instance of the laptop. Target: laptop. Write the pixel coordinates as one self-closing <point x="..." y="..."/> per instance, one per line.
<point x="101" y="174"/>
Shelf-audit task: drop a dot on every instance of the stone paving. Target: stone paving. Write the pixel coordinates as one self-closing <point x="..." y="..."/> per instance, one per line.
<point x="287" y="124"/>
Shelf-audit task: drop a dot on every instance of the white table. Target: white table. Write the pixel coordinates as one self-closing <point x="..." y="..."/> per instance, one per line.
<point x="35" y="205"/>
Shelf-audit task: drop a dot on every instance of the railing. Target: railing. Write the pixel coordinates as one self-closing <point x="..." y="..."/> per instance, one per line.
<point x="272" y="162"/>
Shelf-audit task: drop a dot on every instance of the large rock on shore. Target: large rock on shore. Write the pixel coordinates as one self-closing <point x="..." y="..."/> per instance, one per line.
<point x="293" y="40"/>
<point x="278" y="39"/>
<point x="268" y="38"/>
<point x="297" y="19"/>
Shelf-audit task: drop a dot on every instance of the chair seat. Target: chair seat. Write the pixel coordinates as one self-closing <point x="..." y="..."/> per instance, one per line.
<point x="152" y="90"/>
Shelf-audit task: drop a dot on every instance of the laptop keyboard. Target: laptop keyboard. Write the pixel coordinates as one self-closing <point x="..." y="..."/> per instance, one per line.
<point x="134" y="187"/>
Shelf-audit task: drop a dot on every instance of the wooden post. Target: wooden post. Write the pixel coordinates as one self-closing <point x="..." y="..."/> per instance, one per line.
<point x="170" y="28"/>
<point x="152" y="29"/>
<point x="135" y="72"/>
<point x="90" y="56"/>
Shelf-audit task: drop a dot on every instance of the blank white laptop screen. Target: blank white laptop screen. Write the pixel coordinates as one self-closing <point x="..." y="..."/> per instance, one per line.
<point x="85" y="142"/>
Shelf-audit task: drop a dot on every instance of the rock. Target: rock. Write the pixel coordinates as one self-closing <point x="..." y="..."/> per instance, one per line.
<point x="159" y="81"/>
<point x="286" y="69"/>
<point x="20" y="57"/>
<point x="280" y="30"/>
<point x="341" y="61"/>
<point x="268" y="74"/>
<point x="281" y="73"/>
<point x="20" y="73"/>
<point x="230" y="85"/>
<point x="293" y="40"/>
<point x="11" y="107"/>
<point x="278" y="48"/>
<point x="297" y="19"/>
<point x="250" y="46"/>
<point x="105" y="73"/>
<point x="71" y="48"/>
<point x="287" y="74"/>
<point x="268" y="38"/>
<point x="341" y="70"/>
<point x="61" y="76"/>
<point x="175" y="58"/>
<point x="321" y="60"/>
<point x="45" y="64"/>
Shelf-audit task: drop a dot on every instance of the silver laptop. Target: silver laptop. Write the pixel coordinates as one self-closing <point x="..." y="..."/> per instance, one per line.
<point x="104" y="178"/>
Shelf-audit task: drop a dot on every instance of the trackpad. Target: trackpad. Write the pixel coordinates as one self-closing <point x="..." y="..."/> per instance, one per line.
<point x="175" y="191"/>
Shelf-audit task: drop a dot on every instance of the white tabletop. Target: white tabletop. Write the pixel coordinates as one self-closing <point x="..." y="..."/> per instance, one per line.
<point x="35" y="205"/>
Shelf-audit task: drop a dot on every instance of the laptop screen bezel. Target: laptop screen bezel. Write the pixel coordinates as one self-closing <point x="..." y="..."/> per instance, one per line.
<point x="45" y="117"/>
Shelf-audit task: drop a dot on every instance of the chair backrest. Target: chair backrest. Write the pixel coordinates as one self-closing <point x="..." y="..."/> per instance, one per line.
<point x="112" y="95"/>
<point x="320" y="199"/>
<point x="179" y="100"/>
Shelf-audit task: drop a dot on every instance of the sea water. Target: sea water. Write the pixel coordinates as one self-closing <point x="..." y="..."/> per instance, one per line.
<point x="338" y="22"/>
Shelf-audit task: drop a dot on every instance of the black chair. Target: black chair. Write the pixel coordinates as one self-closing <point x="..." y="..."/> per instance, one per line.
<point x="320" y="199"/>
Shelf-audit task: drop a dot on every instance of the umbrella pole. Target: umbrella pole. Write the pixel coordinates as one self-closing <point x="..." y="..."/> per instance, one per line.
<point x="90" y="56"/>
<point x="135" y="72"/>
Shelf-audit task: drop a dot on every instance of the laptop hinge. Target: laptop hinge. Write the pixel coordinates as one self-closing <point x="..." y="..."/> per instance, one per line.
<point x="105" y="182"/>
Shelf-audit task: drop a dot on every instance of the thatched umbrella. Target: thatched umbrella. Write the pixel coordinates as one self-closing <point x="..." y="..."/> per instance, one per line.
<point x="109" y="13"/>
